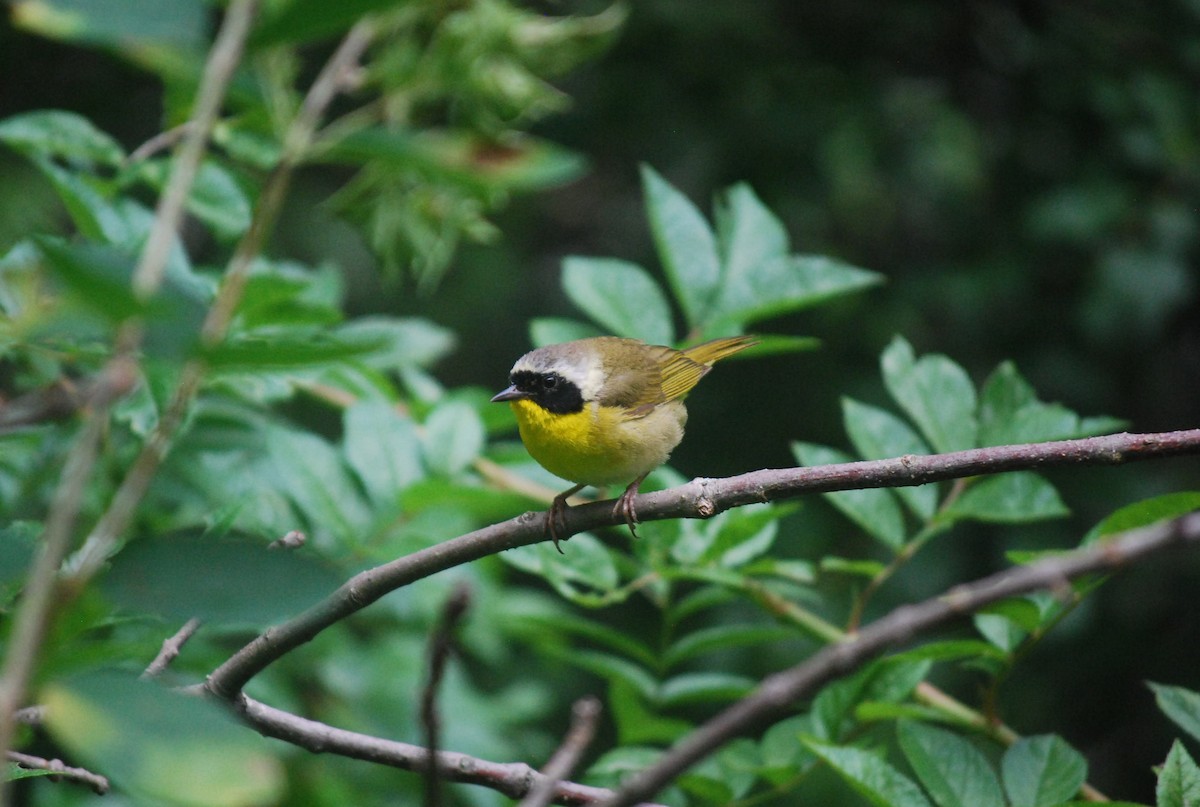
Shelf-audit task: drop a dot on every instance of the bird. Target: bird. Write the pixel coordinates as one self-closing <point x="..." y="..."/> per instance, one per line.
<point x="606" y="410"/>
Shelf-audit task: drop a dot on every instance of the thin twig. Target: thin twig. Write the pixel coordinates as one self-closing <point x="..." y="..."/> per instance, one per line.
<point x="441" y="642"/>
<point x="223" y="59"/>
<point x="777" y="694"/>
<point x="513" y="779"/>
<point x="104" y="539"/>
<point x="39" y="598"/>
<point x="700" y="498"/>
<point x="163" y="140"/>
<point x="96" y="782"/>
<point x="579" y="736"/>
<point x="171" y="647"/>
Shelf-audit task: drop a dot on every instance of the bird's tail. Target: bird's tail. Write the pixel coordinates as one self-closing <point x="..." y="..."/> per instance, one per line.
<point x="711" y="352"/>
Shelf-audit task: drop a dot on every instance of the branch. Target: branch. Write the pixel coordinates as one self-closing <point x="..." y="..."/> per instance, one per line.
<point x="171" y="647"/>
<point x="579" y="737"/>
<point x="57" y="769"/>
<point x="778" y="693"/>
<point x="700" y="498"/>
<point x="514" y="779"/>
<point x="440" y="645"/>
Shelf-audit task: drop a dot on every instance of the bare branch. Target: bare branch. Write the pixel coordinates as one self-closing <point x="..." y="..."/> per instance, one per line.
<point x="700" y="498"/>
<point x="97" y="783"/>
<point x="292" y="539"/>
<point x="440" y="645"/>
<point x="511" y="779"/>
<point x="579" y="737"/>
<point x="171" y="647"/>
<point x="777" y="694"/>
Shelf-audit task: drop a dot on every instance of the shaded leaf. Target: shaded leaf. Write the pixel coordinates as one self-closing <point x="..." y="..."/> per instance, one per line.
<point x="870" y="776"/>
<point x="1180" y="704"/>
<point x="953" y="771"/>
<point x="454" y="437"/>
<point x="1014" y="498"/>
<point x="1145" y="513"/>
<point x="160" y="745"/>
<point x="703" y="687"/>
<point x="383" y="449"/>
<point x="584" y="561"/>
<point x="216" y="580"/>
<point x="1042" y="771"/>
<point x="554" y="330"/>
<point x="723" y="637"/>
<point x="785" y="284"/>
<point x="873" y="509"/>
<point x="54" y="133"/>
<point x="878" y="434"/>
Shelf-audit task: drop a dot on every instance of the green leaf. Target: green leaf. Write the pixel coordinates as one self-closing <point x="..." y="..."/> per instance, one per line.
<point x="873" y="509"/>
<point x="312" y="474"/>
<point x="17" y="543"/>
<point x="1014" y="498"/>
<point x="870" y="776"/>
<point x="1042" y="771"/>
<point x="56" y="134"/>
<point x="703" y="687"/>
<point x="1000" y="631"/>
<point x="951" y="650"/>
<point x="636" y="723"/>
<point x="218" y="581"/>
<point x="101" y="276"/>
<point x="293" y="348"/>
<point x="306" y="20"/>
<point x="129" y="25"/>
<point x="382" y="448"/>
<point x="454" y="438"/>
<point x="406" y="341"/>
<point x="686" y="246"/>
<point x="1145" y="513"/>
<point x="784" y="285"/>
<point x="1179" y="780"/>
<point x="723" y="637"/>
<point x="160" y="746"/>
<point x="555" y="330"/>
<point x="878" y="434"/>
<point x="215" y="197"/>
<point x="1179" y="704"/>
<point x="859" y="567"/>
<point x="935" y="392"/>
<point x="557" y="620"/>
<point x="953" y="771"/>
<point x="584" y="561"/>
<point x="1010" y="413"/>
<point x="621" y="296"/>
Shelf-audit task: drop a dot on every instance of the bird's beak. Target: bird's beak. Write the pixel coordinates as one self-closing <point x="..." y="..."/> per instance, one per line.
<point x="510" y="394"/>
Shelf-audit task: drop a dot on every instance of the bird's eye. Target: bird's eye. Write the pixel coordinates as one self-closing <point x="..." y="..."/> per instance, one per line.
<point x="549" y="381"/>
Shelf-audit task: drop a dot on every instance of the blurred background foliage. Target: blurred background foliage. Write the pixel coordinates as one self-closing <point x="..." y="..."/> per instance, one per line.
<point x="1025" y="175"/>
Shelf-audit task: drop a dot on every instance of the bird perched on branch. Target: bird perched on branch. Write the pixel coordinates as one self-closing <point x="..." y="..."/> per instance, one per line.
<point x="607" y="410"/>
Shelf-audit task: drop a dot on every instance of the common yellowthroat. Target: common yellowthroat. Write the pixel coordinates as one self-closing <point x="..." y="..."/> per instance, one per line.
<point x="605" y="410"/>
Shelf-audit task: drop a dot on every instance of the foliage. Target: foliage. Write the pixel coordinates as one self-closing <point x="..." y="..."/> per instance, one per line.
<point x="312" y="419"/>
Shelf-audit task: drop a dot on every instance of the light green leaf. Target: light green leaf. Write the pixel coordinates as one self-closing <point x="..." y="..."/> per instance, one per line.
<point x="703" y="687"/>
<point x="54" y="133"/>
<point x="215" y="197"/>
<point x="870" y="776"/>
<point x="935" y="392"/>
<point x="1179" y="780"/>
<point x="1042" y="771"/>
<point x="1000" y="631"/>
<point x="131" y="25"/>
<point x="878" y="434"/>
<point x="1010" y="413"/>
<point x="954" y="772"/>
<point x="584" y="562"/>
<point x="383" y="449"/>
<point x="723" y="637"/>
<point x="17" y="542"/>
<point x="454" y="437"/>
<point x="313" y="475"/>
<point x="636" y="722"/>
<point x="1145" y="513"/>
<point x="1180" y="704"/>
<point x="1015" y="498"/>
<point x="216" y="580"/>
<point x="407" y="341"/>
<point x="160" y="746"/>
<point x="785" y="284"/>
<point x="621" y="296"/>
<point x="686" y="245"/>
<point x="873" y="509"/>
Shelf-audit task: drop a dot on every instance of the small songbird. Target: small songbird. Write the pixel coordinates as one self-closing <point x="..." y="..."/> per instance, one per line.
<point x="607" y="410"/>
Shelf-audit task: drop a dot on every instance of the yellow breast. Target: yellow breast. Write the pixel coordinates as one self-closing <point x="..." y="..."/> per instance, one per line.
<point x="598" y="445"/>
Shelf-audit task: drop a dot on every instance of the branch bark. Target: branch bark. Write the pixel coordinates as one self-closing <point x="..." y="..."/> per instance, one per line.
<point x="778" y="693"/>
<point x="700" y="498"/>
